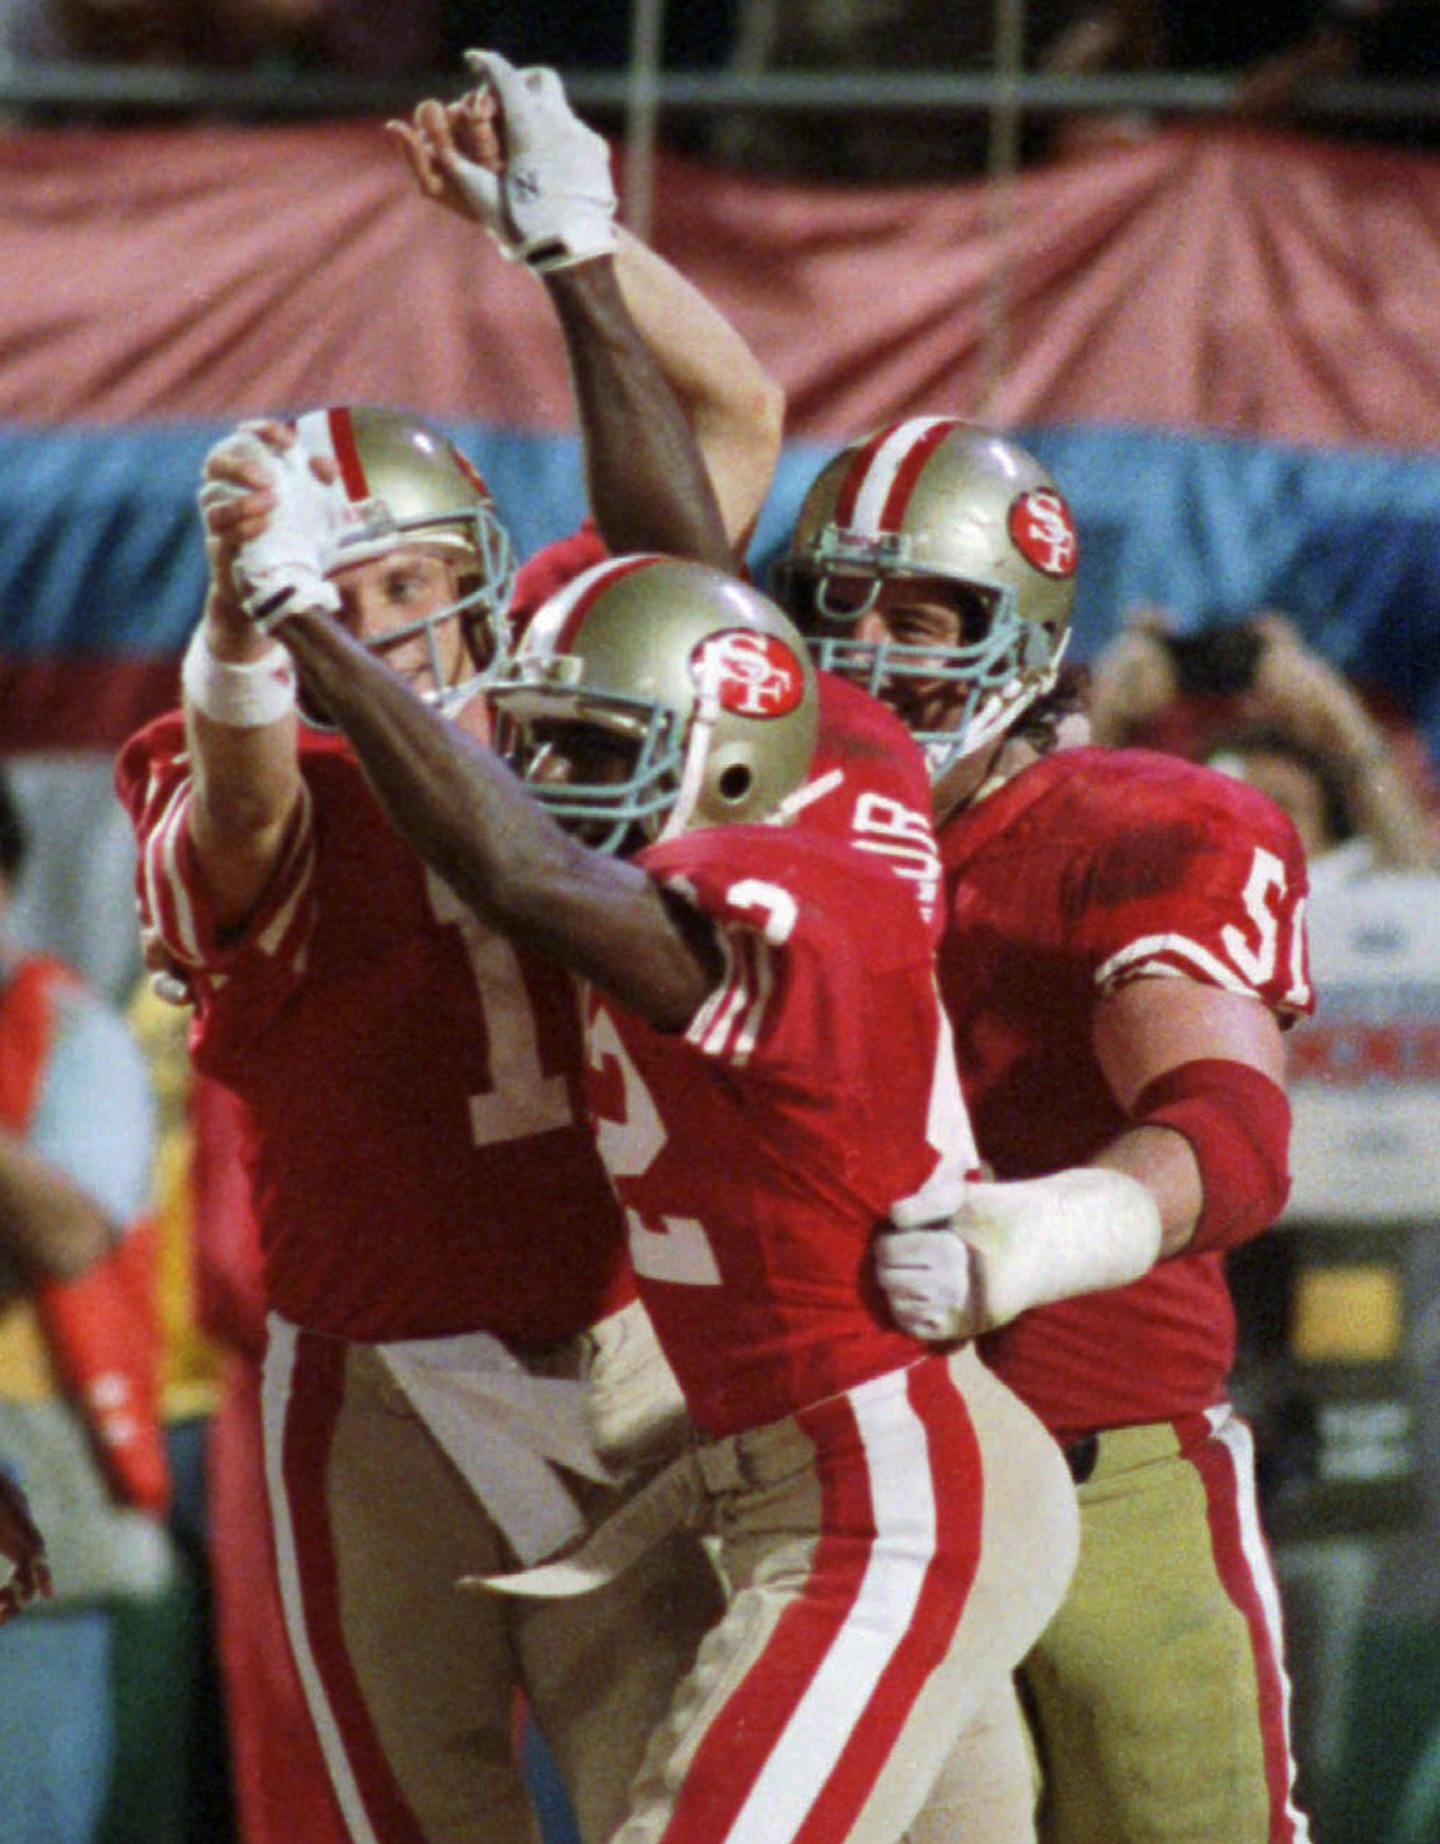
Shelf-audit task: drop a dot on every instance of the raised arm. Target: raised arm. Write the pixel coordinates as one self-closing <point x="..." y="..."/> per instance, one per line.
<point x="734" y="406"/>
<point x="239" y="700"/>
<point x="473" y="822"/>
<point x="1305" y="697"/>
<point x="681" y="422"/>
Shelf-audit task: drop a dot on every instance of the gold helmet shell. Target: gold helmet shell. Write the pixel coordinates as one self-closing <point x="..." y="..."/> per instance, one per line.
<point x="405" y="483"/>
<point x="702" y="683"/>
<point x="936" y="498"/>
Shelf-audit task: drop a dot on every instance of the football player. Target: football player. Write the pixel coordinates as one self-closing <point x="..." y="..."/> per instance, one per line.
<point x="1123" y="947"/>
<point x="457" y="1377"/>
<point x="770" y="1077"/>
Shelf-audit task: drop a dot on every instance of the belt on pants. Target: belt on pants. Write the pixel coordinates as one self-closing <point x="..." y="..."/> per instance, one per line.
<point x="1081" y="1455"/>
<point x="1108" y="1451"/>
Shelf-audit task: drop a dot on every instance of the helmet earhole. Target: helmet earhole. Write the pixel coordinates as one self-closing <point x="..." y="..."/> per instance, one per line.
<point x="735" y="783"/>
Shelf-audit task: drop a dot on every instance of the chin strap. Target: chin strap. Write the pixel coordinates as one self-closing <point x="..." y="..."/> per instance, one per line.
<point x="697" y="746"/>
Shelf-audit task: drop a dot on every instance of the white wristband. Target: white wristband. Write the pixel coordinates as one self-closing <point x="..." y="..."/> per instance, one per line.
<point x="261" y="691"/>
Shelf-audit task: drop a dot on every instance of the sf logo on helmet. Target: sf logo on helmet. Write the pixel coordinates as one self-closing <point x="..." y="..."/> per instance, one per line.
<point x="1043" y="532"/>
<point x="753" y="675"/>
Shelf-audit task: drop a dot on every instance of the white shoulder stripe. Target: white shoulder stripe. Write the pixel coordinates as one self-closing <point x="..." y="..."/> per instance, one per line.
<point x="762" y="985"/>
<point x="166" y="898"/>
<point x="728" y="1025"/>
<point x="704" y="1020"/>
<point x="1158" y="954"/>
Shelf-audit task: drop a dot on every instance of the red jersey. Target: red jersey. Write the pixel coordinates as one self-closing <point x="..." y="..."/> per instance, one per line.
<point x="411" y="1083"/>
<point x="1088" y="869"/>
<point x="756" y="1153"/>
<point x="549" y="570"/>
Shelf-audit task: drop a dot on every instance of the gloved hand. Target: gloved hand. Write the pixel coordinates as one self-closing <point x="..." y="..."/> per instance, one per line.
<point x="281" y="568"/>
<point x="23" y="1545"/>
<point x="553" y="201"/>
<point x="1016" y="1245"/>
<point x="633" y="1406"/>
<point x="103" y="1335"/>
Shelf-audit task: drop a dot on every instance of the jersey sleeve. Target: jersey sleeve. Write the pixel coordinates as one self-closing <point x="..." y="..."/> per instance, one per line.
<point x="1192" y="876"/>
<point x="802" y="929"/>
<point x="155" y="785"/>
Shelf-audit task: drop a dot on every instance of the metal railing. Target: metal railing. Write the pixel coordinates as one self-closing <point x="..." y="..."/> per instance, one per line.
<point x="130" y="92"/>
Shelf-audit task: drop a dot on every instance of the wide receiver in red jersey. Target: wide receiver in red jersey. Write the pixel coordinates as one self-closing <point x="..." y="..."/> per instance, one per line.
<point x="1123" y="945"/>
<point x="444" y="1259"/>
<point x="770" y="1078"/>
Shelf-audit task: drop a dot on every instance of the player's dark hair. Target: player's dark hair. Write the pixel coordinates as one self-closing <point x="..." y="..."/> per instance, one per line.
<point x="1328" y="776"/>
<point x="13" y="837"/>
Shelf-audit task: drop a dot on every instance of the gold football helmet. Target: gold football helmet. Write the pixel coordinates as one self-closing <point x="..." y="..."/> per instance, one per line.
<point x="960" y="508"/>
<point x="406" y="483"/>
<point x="652" y="697"/>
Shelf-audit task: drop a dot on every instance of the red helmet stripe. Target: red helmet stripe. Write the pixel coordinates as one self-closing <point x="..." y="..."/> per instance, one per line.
<point x="855" y="475"/>
<point x="588" y="588"/>
<point x="909" y="472"/>
<point x="347" y="454"/>
<point x="887" y="468"/>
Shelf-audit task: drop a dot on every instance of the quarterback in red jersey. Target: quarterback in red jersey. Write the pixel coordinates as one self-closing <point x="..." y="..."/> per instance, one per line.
<point x="1123" y="945"/>
<point x="771" y="1081"/>
<point x="440" y="1398"/>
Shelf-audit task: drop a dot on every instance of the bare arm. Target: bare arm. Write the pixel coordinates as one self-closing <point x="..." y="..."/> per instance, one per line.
<point x="647" y="485"/>
<point x="1305" y="696"/>
<point x="1106" y="1223"/>
<point x="735" y="407"/>
<point x="473" y="822"/>
<point x="1154" y="1025"/>
<point x="48" y="1225"/>
<point x="247" y="780"/>
<point x="1132" y="679"/>
<point x="681" y="425"/>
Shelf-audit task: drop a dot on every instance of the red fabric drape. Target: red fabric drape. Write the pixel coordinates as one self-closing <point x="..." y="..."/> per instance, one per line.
<point x="1230" y="279"/>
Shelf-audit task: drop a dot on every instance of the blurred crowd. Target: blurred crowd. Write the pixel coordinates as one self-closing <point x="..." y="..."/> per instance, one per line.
<point x="1274" y="53"/>
<point x="1252" y="699"/>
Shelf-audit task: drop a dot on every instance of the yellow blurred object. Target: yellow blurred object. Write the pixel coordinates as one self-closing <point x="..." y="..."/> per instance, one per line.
<point x="1352" y="1314"/>
<point x="190" y="1364"/>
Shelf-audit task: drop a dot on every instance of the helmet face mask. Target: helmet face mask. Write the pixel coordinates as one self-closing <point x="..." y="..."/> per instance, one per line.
<point x="408" y="488"/>
<point x="651" y="697"/>
<point x="931" y="524"/>
<point x="608" y="769"/>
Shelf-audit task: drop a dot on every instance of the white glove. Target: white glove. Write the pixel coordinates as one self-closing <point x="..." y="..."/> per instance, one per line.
<point x="283" y="569"/>
<point x="1017" y="1245"/>
<point x="553" y="204"/>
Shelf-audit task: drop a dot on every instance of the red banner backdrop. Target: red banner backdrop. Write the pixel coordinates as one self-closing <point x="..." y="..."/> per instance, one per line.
<point x="1240" y="282"/>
